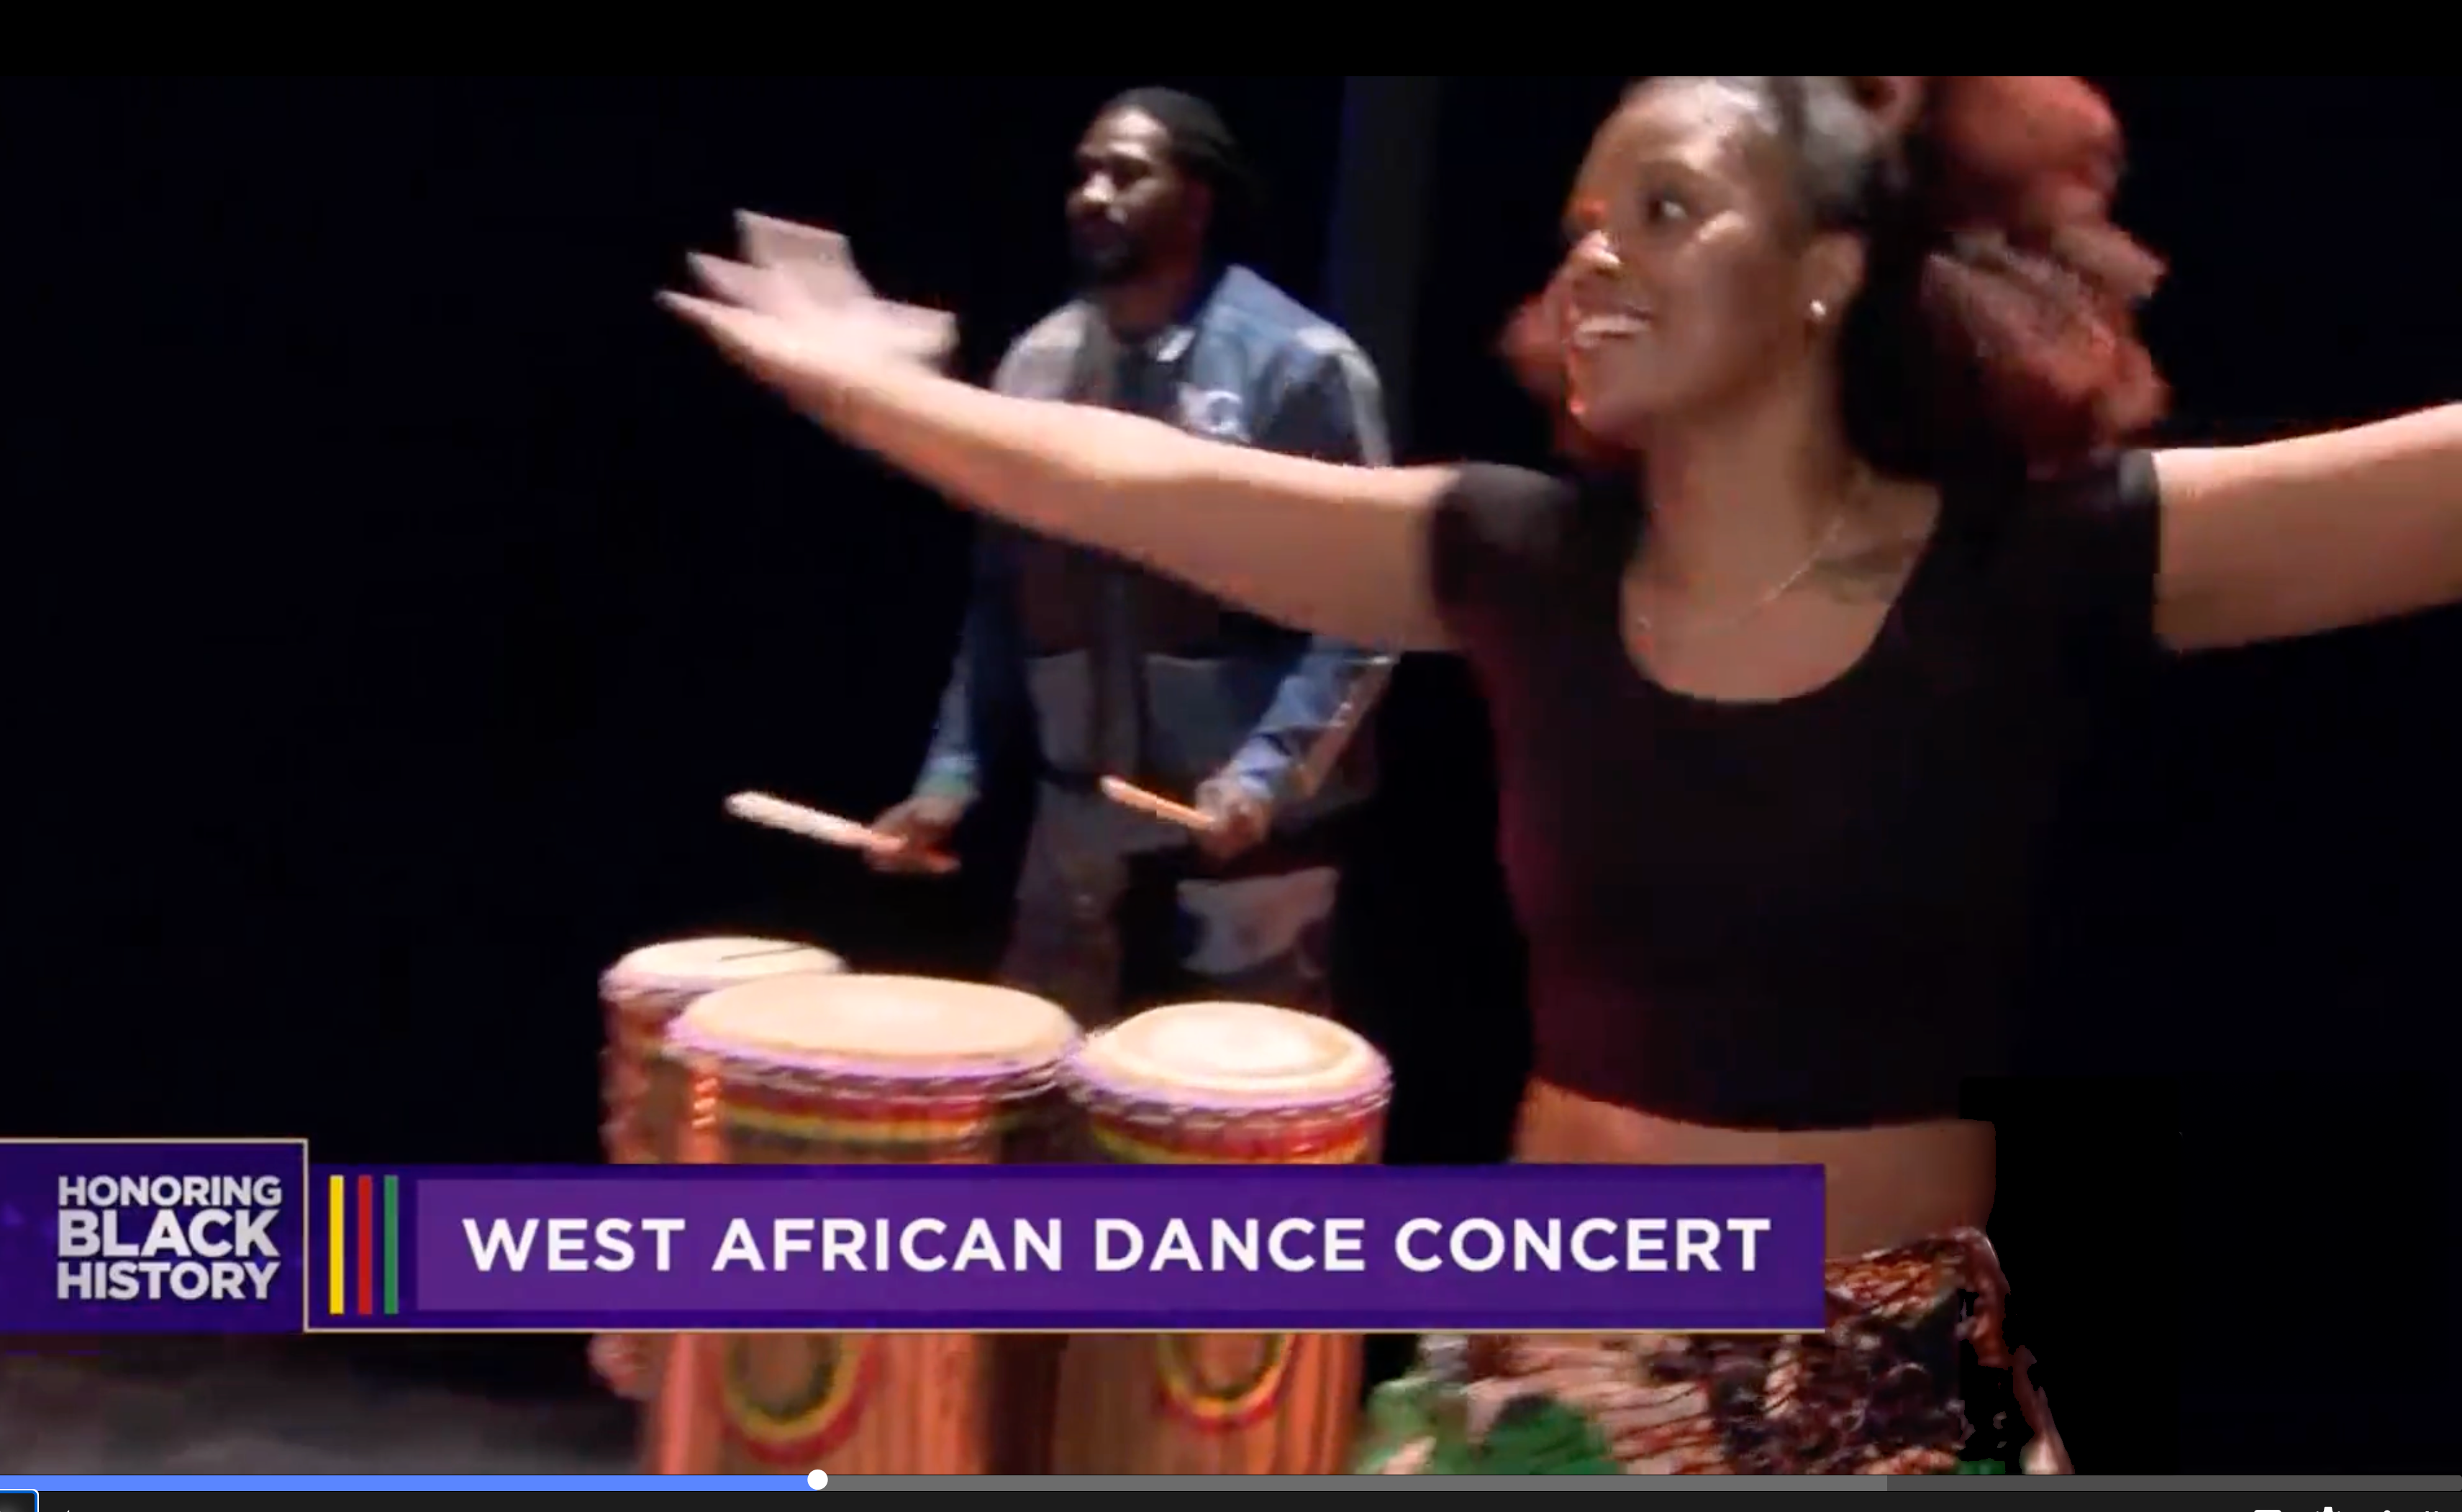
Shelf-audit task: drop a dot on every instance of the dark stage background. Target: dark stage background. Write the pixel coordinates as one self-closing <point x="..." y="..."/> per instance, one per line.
<point x="394" y="594"/>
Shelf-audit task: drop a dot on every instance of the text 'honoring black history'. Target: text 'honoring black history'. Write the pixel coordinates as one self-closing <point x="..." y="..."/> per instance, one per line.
<point x="155" y="1239"/>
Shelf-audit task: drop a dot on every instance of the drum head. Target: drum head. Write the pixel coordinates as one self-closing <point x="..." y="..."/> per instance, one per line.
<point x="877" y="1025"/>
<point x="1243" y="1053"/>
<point x="704" y="964"/>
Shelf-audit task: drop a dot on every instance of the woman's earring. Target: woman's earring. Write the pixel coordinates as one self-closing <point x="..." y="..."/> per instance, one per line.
<point x="1820" y="310"/>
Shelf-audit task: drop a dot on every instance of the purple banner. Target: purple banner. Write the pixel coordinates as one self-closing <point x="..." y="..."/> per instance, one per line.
<point x="1181" y="1249"/>
<point x="146" y="1238"/>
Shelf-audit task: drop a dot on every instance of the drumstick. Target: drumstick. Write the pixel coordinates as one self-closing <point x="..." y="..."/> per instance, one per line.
<point x="1314" y="768"/>
<point x="1318" y="764"/>
<point x="1153" y="806"/>
<point x="777" y="813"/>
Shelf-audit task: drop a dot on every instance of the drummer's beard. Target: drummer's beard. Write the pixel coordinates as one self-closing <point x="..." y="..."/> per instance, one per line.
<point x="1108" y="255"/>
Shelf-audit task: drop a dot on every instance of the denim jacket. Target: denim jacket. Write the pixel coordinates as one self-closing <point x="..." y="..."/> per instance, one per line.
<point x="1117" y="671"/>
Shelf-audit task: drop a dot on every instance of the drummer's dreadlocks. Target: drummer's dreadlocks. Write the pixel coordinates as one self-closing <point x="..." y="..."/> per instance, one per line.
<point x="1204" y="148"/>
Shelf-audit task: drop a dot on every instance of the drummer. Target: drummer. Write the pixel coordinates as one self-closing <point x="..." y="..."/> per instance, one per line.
<point x="1117" y="671"/>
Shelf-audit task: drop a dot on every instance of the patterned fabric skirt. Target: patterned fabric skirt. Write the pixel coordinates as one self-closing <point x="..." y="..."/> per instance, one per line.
<point x="1913" y="1349"/>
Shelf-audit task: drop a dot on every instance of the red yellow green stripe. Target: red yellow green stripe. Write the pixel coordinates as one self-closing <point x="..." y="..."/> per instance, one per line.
<point x="1203" y="1404"/>
<point x="363" y="1246"/>
<point x="839" y="1375"/>
<point x="1349" y="1147"/>
<point x="864" y="1131"/>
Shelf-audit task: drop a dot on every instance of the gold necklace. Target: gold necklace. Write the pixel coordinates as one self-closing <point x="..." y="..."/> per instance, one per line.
<point x="1649" y="630"/>
<point x="1785" y="585"/>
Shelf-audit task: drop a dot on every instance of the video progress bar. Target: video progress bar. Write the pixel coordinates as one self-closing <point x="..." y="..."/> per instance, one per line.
<point x="1670" y="1494"/>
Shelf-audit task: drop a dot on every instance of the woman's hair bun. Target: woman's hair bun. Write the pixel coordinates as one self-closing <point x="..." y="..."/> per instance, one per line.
<point x="2029" y="287"/>
<point x="2021" y="152"/>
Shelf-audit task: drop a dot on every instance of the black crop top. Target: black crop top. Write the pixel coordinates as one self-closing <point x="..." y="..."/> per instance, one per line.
<point x="1818" y="913"/>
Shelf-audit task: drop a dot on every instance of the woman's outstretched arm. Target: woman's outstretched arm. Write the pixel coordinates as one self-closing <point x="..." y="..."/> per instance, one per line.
<point x="2315" y="533"/>
<point x="1339" y="551"/>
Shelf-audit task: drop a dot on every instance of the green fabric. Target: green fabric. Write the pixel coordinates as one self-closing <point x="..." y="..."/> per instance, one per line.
<point x="1399" y="1412"/>
<point x="1532" y="1436"/>
<point x="1540" y="1436"/>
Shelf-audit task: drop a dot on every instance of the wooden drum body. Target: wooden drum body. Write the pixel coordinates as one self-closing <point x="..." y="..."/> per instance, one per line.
<point x="645" y="992"/>
<point x="1204" y="1083"/>
<point x="862" y="1070"/>
<point x="642" y="994"/>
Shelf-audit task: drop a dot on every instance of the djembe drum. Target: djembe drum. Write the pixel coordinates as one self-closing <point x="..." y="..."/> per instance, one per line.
<point x="1206" y="1083"/>
<point x="642" y="994"/>
<point x="864" y="1071"/>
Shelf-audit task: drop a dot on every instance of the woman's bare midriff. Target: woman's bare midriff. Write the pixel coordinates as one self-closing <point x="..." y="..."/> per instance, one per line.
<point x="1887" y="1186"/>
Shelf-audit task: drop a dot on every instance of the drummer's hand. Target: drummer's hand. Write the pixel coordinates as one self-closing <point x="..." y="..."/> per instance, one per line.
<point x="922" y="825"/>
<point x="794" y="313"/>
<point x="1241" y="818"/>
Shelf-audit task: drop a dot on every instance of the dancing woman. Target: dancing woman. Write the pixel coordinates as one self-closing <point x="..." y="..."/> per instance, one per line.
<point x="1782" y="716"/>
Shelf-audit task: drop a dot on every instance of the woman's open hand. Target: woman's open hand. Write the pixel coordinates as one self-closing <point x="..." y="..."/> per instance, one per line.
<point x="792" y="309"/>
